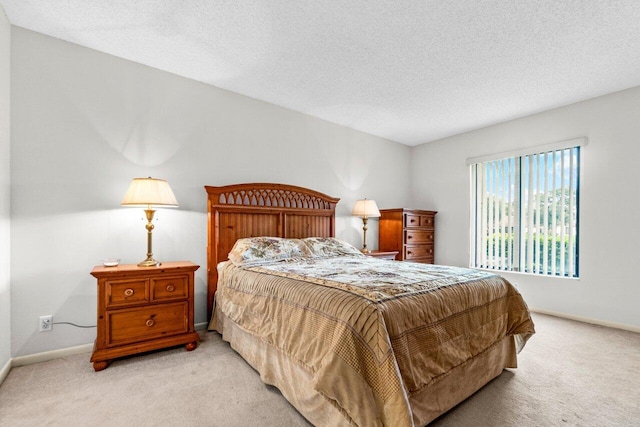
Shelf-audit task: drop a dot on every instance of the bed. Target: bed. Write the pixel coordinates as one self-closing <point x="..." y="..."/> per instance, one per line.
<point x="350" y="339"/>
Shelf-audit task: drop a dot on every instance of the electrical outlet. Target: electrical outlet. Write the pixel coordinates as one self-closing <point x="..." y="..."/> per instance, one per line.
<point x="46" y="323"/>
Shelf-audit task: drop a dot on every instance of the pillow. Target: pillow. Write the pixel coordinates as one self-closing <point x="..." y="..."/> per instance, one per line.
<point x="322" y="247"/>
<point x="262" y="250"/>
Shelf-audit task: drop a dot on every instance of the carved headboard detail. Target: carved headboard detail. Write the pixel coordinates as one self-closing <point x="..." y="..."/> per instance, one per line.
<point x="277" y="197"/>
<point x="262" y="209"/>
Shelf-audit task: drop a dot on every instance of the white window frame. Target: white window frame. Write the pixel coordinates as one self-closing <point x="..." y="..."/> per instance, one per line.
<point x="510" y="161"/>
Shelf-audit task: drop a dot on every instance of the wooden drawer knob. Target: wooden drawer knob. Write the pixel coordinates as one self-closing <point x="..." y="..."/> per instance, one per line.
<point x="409" y="237"/>
<point x="170" y="287"/>
<point x="150" y="322"/>
<point x="409" y="252"/>
<point x="128" y="292"/>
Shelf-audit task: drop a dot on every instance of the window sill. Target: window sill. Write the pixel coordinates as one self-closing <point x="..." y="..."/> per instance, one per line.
<point x="520" y="273"/>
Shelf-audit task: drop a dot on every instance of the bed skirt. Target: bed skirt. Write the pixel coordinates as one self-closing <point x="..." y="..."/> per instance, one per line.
<point x="296" y="382"/>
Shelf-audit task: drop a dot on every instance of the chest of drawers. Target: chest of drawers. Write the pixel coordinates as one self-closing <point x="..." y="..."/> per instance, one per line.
<point x="142" y="309"/>
<point x="411" y="232"/>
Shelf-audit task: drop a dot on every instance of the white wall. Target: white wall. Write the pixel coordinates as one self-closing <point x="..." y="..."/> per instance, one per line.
<point x="5" y="257"/>
<point x="86" y="123"/>
<point x="608" y="290"/>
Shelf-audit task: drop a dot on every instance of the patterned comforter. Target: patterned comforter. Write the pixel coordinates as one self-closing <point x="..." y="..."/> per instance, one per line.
<point x="374" y="334"/>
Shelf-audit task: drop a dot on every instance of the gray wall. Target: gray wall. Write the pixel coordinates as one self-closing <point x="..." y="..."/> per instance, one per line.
<point x="5" y="221"/>
<point x="608" y="289"/>
<point x="86" y="123"/>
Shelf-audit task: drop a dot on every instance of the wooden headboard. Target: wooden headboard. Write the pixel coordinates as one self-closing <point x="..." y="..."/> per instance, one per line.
<point x="252" y="210"/>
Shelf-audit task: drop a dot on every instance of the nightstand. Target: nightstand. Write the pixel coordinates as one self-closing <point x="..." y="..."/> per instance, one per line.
<point x="142" y="309"/>
<point x="383" y="254"/>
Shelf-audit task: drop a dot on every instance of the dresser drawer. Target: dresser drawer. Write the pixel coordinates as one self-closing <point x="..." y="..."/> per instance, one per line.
<point x="415" y="220"/>
<point x="418" y="237"/>
<point x="427" y="221"/>
<point x="414" y="252"/>
<point x="120" y="293"/>
<point x="169" y="288"/>
<point x="146" y="323"/>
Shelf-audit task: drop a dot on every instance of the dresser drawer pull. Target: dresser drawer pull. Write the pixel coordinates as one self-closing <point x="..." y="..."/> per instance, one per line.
<point x="150" y="322"/>
<point x="409" y="252"/>
<point x="170" y="287"/>
<point x="409" y="237"/>
<point x="128" y="292"/>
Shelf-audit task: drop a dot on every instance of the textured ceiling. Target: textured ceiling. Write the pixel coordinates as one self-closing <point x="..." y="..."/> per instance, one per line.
<point x="409" y="71"/>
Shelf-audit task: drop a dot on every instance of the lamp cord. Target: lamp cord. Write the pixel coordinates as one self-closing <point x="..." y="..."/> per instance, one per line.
<point x="73" y="324"/>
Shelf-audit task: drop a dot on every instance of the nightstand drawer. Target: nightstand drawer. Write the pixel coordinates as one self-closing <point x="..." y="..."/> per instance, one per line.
<point x="428" y="260"/>
<point x="418" y="236"/>
<point x="141" y="324"/>
<point x="412" y="252"/>
<point x="169" y="288"/>
<point x="126" y="292"/>
<point x="391" y="255"/>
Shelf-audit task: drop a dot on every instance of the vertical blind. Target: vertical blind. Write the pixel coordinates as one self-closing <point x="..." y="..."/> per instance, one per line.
<point x="526" y="213"/>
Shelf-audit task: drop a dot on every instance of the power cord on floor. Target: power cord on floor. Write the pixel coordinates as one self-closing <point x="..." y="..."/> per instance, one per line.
<point x="73" y="324"/>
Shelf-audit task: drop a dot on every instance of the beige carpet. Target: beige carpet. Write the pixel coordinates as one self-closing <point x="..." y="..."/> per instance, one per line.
<point x="570" y="374"/>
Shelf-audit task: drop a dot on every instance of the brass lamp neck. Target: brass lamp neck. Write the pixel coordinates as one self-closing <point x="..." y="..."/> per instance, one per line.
<point x="149" y="261"/>
<point x="364" y="235"/>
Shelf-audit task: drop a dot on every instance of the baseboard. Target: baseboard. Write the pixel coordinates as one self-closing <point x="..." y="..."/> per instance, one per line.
<point x="5" y="370"/>
<point x="63" y="352"/>
<point x="201" y="326"/>
<point x="587" y="320"/>
<point x="50" y="355"/>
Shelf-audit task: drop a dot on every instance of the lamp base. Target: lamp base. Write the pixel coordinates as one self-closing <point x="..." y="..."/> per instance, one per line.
<point x="365" y="251"/>
<point x="149" y="262"/>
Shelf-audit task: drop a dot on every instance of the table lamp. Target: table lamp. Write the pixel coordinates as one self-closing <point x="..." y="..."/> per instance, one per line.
<point x="149" y="193"/>
<point x="365" y="209"/>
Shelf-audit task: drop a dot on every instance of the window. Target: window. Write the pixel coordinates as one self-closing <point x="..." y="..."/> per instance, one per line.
<point x="525" y="212"/>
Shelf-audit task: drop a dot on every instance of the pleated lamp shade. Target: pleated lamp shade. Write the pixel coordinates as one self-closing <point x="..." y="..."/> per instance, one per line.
<point x="149" y="192"/>
<point x="366" y="209"/>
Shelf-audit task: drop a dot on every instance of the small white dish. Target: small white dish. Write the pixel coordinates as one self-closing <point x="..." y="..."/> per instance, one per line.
<point x="111" y="262"/>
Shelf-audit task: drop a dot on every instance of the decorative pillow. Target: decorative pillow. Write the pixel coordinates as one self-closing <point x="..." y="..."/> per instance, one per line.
<point x="323" y="247"/>
<point x="261" y="250"/>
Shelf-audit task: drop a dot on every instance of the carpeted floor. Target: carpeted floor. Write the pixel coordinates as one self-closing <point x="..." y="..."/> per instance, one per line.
<point x="570" y="373"/>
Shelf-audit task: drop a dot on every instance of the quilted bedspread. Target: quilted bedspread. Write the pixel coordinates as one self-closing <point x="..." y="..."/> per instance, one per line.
<point x="373" y="333"/>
